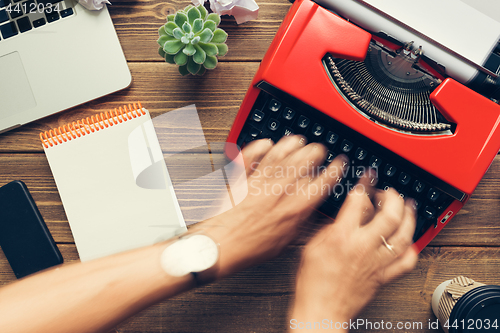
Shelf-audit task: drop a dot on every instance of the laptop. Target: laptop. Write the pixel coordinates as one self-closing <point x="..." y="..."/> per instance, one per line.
<point x="54" y="56"/>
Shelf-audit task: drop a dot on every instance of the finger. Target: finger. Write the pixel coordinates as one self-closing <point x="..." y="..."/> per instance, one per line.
<point x="253" y="154"/>
<point x="369" y="180"/>
<point x="401" y="265"/>
<point x="357" y="207"/>
<point x="330" y="176"/>
<point x="306" y="162"/>
<point x="403" y="237"/>
<point x="288" y="145"/>
<point x="318" y="188"/>
<point x="389" y="217"/>
<point x="366" y="186"/>
<point x="283" y="149"/>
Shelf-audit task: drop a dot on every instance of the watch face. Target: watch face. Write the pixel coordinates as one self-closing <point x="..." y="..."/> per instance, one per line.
<point x="193" y="254"/>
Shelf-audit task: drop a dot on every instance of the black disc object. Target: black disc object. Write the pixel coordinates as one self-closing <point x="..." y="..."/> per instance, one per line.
<point x="477" y="311"/>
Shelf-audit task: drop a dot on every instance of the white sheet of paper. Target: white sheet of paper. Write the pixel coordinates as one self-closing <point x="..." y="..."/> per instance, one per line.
<point x="98" y="180"/>
<point x="452" y="23"/>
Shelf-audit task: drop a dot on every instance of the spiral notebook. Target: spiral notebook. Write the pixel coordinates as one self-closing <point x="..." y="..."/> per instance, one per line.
<point x="113" y="182"/>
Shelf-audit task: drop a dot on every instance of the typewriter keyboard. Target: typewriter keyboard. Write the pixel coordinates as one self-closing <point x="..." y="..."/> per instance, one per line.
<point x="273" y="118"/>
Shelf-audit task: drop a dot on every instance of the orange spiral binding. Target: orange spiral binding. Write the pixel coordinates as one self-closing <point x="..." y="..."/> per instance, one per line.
<point x="88" y="125"/>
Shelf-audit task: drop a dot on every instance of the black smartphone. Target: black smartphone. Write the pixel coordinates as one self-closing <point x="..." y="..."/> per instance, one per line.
<point x="24" y="236"/>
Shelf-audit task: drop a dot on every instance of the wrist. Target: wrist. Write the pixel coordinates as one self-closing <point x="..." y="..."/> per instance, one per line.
<point x="235" y="242"/>
<point x="193" y="256"/>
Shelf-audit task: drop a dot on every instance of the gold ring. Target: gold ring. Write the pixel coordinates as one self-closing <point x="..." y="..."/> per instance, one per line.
<point x="389" y="246"/>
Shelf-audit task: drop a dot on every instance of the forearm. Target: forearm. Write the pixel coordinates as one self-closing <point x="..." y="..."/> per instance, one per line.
<point x="95" y="296"/>
<point x="89" y="297"/>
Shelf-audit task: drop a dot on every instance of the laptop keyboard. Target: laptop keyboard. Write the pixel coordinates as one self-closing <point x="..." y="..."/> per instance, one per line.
<point x="272" y="117"/>
<point x="19" y="16"/>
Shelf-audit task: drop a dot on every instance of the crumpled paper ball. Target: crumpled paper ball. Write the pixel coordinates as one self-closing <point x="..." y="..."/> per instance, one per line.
<point x="94" y="4"/>
<point x="242" y="10"/>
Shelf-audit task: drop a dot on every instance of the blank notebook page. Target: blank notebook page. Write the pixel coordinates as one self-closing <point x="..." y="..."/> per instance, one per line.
<point x="115" y="188"/>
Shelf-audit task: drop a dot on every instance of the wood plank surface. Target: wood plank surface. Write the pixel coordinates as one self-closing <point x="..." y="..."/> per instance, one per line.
<point x="475" y="225"/>
<point x="137" y="23"/>
<point x="217" y="96"/>
<point x="257" y="299"/>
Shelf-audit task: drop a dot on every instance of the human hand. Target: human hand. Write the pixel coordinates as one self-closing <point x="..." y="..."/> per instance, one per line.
<point x="284" y="188"/>
<point x="346" y="262"/>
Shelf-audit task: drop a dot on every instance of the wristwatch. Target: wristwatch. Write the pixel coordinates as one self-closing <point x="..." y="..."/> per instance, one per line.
<point x="196" y="254"/>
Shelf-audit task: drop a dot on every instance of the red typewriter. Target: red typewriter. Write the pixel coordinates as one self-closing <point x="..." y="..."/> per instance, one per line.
<point x="384" y="102"/>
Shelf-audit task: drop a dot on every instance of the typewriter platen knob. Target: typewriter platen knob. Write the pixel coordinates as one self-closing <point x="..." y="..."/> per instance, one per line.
<point x="408" y="47"/>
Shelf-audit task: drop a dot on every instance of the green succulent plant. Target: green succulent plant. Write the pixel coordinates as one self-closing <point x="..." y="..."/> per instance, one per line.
<point x="191" y="39"/>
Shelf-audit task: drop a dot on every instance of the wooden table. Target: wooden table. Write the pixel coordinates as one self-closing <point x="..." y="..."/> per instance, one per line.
<point x="255" y="300"/>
